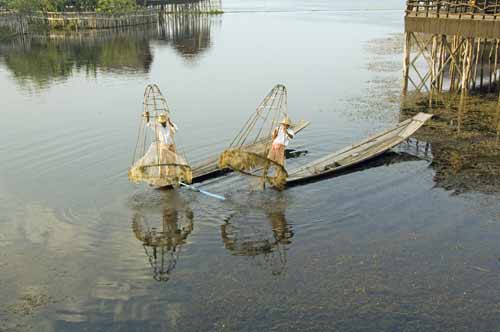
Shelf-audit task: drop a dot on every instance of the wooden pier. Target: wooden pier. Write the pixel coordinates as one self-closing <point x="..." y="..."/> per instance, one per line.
<point x="92" y="20"/>
<point x="451" y="46"/>
<point x="148" y="12"/>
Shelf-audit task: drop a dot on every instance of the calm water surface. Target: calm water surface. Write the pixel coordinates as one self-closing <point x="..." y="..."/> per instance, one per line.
<point x="381" y="249"/>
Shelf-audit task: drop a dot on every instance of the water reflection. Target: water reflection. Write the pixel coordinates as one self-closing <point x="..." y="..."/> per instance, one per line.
<point x="190" y="35"/>
<point x="464" y="141"/>
<point x="248" y="234"/>
<point x="43" y="59"/>
<point x="163" y="233"/>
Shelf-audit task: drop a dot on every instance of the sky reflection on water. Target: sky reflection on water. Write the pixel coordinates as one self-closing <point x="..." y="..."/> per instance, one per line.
<point x="381" y="248"/>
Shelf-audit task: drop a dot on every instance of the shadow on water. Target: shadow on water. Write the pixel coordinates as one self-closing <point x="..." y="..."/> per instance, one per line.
<point x="41" y="60"/>
<point x="163" y="229"/>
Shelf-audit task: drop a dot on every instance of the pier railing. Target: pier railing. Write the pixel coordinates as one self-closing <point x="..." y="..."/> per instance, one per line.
<point x="459" y="9"/>
<point x="92" y="20"/>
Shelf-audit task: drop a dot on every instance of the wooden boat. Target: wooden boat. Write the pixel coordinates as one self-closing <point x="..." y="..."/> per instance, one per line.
<point x="357" y="153"/>
<point x="208" y="169"/>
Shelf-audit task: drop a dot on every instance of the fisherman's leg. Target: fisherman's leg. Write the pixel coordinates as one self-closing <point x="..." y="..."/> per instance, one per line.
<point x="281" y="155"/>
<point x="274" y="153"/>
<point x="163" y="160"/>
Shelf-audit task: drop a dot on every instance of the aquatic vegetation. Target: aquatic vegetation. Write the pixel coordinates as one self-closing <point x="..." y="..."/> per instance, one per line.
<point x="465" y="142"/>
<point x="31" y="299"/>
<point x="115" y="6"/>
<point x="464" y="139"/>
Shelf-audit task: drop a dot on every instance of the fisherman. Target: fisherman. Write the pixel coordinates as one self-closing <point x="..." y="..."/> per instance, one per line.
<point x="281" y="137"/>
<point x="164" y="131"/>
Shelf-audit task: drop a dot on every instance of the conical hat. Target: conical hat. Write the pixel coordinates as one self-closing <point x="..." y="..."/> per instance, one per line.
<point x="285" y="121"/>
<point x="162" y="118"/>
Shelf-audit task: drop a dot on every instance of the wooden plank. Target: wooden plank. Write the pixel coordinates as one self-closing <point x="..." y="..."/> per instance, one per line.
<point x="209" y="169"/>
<point x="358" y="153"/>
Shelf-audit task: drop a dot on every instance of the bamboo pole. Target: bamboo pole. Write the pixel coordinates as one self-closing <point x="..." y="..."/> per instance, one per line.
<point x="467" y="64"/>
<point x="476" y="63"/>
<point x="495" y="65"/>
<point x="433" y="70"/>
<point x="482" y="64"/>
<point x="442" y="62"/>
<point x="490" y="67"/>
<point x="452" y="64"/>
<point x="460" y="50"/>
<point x="406" y="63"/>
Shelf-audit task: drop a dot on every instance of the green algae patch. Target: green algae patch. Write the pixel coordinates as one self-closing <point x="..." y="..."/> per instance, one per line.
<point x="465" y="141"/>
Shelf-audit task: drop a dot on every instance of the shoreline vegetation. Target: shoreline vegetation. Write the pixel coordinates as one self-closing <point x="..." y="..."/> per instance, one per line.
<point x="26" y="16"/>
<point x="465" y="140"/>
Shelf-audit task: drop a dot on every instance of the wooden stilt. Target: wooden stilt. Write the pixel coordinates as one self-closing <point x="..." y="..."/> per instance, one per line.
<point x="453" y="64"/>
<point x="495" y="65"/>
<point x="442" y="63"/>
<point x="498" y="121"/>
<point x="458" y="60"/>
<point x="466" y="69"/>
<point x="433" y="70"/>
<point x="406" y="63"/>
<point x="490" y="66"/>
<point x="482" y="64"/>
<point x="476" y="64"/>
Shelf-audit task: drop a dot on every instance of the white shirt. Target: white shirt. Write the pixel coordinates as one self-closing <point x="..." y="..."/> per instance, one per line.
<point x="163" y="134"/>
<point x="281" y="138"/>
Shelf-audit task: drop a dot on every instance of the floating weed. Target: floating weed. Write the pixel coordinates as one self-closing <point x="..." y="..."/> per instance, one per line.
<point x="31" y="299"/>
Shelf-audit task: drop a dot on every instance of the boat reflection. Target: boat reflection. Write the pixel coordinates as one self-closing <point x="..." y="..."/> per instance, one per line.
<point x="248" y="234"/>
<point x="163" y="233"/>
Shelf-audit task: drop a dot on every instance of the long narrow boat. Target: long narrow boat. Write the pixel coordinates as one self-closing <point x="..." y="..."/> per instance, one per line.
<point x="208" y="169"/>
<point x="357" y="153"/>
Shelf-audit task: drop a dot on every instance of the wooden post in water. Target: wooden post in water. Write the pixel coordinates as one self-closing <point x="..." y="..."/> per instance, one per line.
<point x="452" y="64"/>
<point x="466" y="71"/>
<point x="406" y="63"/>
<point x="442" y="62"/>
<point x="498" y="120"/>
<point x="482" y="63"/>
<point x="478" y="55"/>
<point x="432" y="85"/>
<point x="495" y="64"/>
<point x="490" y="66"/>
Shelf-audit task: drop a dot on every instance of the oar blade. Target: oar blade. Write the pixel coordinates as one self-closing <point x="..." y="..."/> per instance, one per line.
<point x="204" y="192"/>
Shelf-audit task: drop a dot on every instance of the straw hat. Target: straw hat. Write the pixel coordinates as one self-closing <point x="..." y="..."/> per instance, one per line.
<point x="285" y="121"/>
<point x="162" y="118"/>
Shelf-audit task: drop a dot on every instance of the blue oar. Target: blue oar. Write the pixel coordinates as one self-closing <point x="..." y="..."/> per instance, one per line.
<point x="202" y="191"/>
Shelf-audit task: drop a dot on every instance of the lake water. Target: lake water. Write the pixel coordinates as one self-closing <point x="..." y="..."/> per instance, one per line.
<point x="385" y="248"/>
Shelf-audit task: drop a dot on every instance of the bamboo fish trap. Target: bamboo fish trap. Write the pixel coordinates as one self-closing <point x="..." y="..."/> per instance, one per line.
<point x="155" y="162"/>
<point x="246" y="155"/>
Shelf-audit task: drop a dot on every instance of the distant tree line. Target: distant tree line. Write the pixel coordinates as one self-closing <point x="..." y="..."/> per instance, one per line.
<point x="106" y="6"/>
